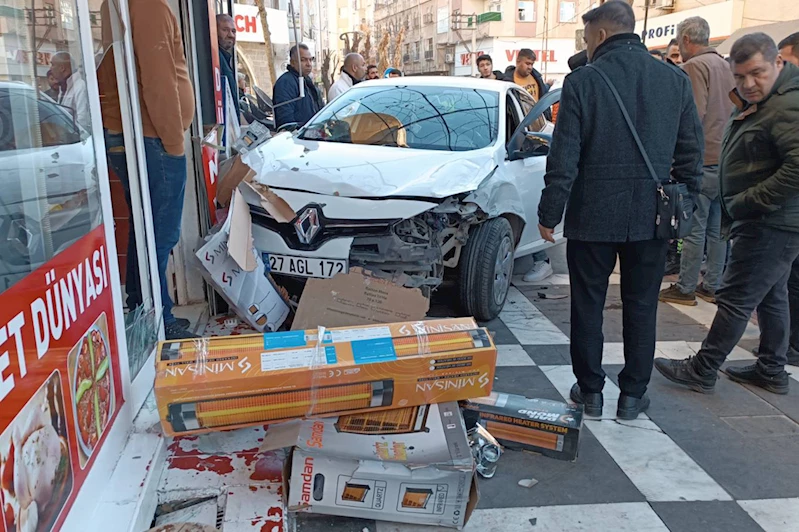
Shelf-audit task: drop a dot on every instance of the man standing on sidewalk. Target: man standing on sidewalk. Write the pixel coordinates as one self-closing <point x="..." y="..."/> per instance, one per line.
<point x="352" y="73"/>
<point x="712" y="82"/>
<point x="167" y="109"/>
<point x="226" y="41"/>
<point x="760" y="194"/>
<point x="612" y="196"/>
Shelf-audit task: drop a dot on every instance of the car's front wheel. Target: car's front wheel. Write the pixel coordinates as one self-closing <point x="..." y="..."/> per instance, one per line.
<point x="486" y="267"/>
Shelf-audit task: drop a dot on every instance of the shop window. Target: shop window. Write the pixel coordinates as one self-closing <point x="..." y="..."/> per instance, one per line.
<point x="50" y="194"/>
<point x="568" y="11"/>
<point x="526" y="9"/>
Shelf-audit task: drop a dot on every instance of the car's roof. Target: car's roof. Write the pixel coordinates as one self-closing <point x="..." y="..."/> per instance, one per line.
<point x="441" y="81"/>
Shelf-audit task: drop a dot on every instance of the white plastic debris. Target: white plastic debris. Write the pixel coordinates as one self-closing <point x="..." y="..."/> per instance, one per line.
<point x="528" y="482"/>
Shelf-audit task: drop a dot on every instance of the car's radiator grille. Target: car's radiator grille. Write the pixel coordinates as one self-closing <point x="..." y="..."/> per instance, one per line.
<point x="330" y="228"/>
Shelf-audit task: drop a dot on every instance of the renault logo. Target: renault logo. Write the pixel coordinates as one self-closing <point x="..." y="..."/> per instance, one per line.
<point x="307" y="225"/>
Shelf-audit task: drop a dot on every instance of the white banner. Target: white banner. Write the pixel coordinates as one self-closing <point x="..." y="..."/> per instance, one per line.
<point x="552" y="55"/>
<point x="248" y="24"/>
<point x="661" y="30"/>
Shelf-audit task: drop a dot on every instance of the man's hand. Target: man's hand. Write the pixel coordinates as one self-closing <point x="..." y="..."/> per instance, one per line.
<point x="546" y="233"/>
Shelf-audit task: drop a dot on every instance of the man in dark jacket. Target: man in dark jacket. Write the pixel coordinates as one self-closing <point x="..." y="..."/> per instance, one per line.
<point x="486" y="67"/>
<point x="289" y="107"/>
<point x="759" y="170"/>
<point x="595" y="166"/>
<point x="226" y="38"/>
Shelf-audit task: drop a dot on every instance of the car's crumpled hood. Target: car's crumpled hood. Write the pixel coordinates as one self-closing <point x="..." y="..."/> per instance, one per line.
<point x="367" y="171"/>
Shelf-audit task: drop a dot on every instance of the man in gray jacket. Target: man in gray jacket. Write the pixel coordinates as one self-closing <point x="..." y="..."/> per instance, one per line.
<point x="759" y="190"/>
<point x="712" y="82"/>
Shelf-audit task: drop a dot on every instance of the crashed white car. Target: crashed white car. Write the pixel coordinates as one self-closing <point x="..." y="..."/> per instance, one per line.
<point x="416" y="179"/>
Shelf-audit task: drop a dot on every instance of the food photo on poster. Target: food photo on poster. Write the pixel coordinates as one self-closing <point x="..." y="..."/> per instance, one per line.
<point x="35" y="463"/>
<point x="92" y="387"/>
<point x="59" y="383"/>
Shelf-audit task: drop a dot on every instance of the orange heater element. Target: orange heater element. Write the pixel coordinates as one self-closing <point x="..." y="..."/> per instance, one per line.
<point x="263" y="408"/>
<point x="399" y="421"/>
<point x="416" y="497"/>
<point x="525" y="435"/>
<point x="355" y="492"/>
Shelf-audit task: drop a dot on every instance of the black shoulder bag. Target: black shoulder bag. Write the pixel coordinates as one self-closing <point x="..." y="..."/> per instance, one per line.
<point x="675" y="205"/>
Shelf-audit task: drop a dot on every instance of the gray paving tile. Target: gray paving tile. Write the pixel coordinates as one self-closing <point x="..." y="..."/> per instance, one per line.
<point x="672" y="324"/>
<point x="593" y="479"/>
<point x="528" y="381"/>
<point x="747" y="467"/>
<point x="755" y="426"/>
<point x="549" y="355"/>
<point x="705" y="516"/>
<point x="787" y="404"/>
<point x="500" y="332"/>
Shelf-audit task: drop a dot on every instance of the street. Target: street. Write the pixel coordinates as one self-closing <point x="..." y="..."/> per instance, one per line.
<point x="693" y="463"/>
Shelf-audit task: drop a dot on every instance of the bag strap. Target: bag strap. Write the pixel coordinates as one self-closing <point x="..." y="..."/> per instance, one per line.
<point x="630" y="125"/>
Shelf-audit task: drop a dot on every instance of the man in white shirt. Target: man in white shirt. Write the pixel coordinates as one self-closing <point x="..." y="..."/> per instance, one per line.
<point x="73" y="88"/>
<point x="353" y="72"/>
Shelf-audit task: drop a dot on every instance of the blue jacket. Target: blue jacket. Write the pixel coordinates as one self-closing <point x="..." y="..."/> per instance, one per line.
<point x="594" y="165"/>
<point x="286" y="89"/>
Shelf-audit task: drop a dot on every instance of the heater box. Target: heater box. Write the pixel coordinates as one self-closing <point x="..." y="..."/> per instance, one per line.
<point x="222" y="383"/>
<point x="548" y="427"/>
<point x="423" y="477"/>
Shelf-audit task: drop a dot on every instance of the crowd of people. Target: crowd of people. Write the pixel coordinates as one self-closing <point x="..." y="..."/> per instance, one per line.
<point x="727" y="129"/>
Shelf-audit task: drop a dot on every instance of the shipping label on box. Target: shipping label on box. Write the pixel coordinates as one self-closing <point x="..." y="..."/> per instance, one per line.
<point x="422" y="476"/>
<point x="548" y="427"/>
<point x="228" y="382"/>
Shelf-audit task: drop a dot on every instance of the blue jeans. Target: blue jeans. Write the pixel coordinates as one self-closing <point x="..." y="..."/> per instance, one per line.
<point x="756" y="278"/>
<point x="706" y="225"/>
<point x="167" y="176"/>
<point x="540" y="256"/>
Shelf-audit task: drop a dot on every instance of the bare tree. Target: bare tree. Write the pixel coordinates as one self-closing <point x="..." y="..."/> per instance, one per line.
<point x="270" y="54"/>
<point x="366" y="51"/>
<point x="383" y="53"/>
<point x="397" y="63"/>
<point x="330" y="64"/>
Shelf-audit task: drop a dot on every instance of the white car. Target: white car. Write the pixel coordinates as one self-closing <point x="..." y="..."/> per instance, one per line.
<point x="415" y="179"/>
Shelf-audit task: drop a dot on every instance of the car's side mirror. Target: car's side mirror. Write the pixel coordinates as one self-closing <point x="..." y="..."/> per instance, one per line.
<point x="534" y="145"/>
<point x="291" y="126"/>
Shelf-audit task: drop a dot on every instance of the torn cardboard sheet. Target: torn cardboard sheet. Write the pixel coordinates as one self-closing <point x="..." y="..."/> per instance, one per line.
<point x="357" y="298"/>
<point x="237" y="272"/>
<point x="276" y="206"/>
<point x="231" y="172"/>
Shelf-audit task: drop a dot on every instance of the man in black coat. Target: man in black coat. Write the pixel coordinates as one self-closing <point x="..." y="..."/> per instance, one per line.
<point x="595" y="166"/>
<point x="289" y="107"/>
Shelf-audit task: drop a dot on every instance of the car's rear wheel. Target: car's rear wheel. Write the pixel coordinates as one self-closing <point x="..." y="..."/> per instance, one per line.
<point x="486" y="267"/>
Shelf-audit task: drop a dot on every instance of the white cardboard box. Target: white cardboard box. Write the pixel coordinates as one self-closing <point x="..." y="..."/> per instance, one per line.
<point x="237" y="272"/>
<point x="421" y="477"/>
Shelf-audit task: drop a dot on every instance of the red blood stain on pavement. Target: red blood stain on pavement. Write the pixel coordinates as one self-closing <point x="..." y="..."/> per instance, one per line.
<point x="268" y="467"/>
<point x="253" y="488"/>
<point x="221" y="465"/>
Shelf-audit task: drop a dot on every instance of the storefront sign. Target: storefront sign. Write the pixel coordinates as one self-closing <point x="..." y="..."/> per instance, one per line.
<point x="219" y="100"/>
<point x="661" y="30"/>
<point x="248" y="24"/>
<point x="211" y="168"/>
<point x="552" y="56"/>
<point x="60" y="387"/>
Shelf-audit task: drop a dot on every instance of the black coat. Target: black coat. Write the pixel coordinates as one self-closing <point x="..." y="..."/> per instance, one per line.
<point x="594" y="163"/>
<point x="287" y="88"/>
<point x="226" y="66"/>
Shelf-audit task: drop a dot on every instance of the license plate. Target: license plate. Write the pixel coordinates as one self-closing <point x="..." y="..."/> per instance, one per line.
<point x="305" y="266"/>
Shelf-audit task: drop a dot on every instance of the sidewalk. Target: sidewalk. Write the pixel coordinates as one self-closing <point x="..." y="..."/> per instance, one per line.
<point x="728" y="461"/>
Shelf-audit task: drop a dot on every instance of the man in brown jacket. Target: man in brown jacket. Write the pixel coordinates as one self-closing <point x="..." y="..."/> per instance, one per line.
<point x="166" y="98"/>
<point x="711" y="82"/>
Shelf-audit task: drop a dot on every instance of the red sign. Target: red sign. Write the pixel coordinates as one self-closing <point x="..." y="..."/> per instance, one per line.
<point x="245" y="23"/>
<point x="211" y="168"/>
<point x="544" y="56"/>
<point x="218" y="95"/>
<point x="60" y="387"/>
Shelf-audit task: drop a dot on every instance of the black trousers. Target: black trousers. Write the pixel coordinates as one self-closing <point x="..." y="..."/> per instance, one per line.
<point x="590" y="266"/>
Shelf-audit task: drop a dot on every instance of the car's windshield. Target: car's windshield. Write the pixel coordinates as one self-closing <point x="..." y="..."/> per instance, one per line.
<point x="427" y="118"/>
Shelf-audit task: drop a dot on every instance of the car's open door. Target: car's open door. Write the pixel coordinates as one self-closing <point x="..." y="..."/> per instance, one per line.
<point x="527" y="150"/>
